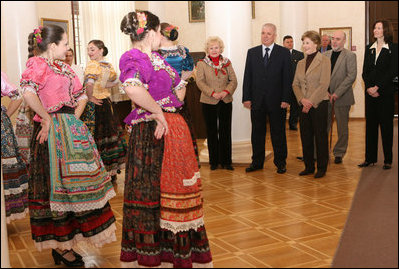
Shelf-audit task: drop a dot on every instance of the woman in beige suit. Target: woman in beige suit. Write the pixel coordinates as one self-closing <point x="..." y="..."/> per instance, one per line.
<point x="217" y="81"/>
<point x="311" y="81"/>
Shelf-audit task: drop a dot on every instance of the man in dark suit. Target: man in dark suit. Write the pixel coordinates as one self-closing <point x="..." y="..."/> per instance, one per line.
<point x="296" y="56"/>
<point x="266" y="92"/>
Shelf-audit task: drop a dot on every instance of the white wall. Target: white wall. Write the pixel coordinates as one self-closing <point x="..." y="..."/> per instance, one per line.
<point x="3" y="44"/>
<point x="191" y="35"/>
<point x="265" y="12"/>
<point x="141" y="5"/>
<point x="45" y="9"/>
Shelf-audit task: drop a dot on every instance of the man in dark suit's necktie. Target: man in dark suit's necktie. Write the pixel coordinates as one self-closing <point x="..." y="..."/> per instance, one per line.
<point x="266" y="58"/>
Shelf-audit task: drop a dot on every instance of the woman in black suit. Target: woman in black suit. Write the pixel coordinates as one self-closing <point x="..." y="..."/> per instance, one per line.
<point x="379" y="68"/>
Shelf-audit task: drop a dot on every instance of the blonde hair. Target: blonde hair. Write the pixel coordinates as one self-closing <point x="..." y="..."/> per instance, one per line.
<point x="314" y="36"/>
<point x="214" y="39"/>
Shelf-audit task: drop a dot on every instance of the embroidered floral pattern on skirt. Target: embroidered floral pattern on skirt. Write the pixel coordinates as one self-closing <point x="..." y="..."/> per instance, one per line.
<point x="55" y="229"/>
<point x="15" y="173"/>
<point x="148" y="202"/>
<point x="108" y="134"/>
<point x="79" y="179"/>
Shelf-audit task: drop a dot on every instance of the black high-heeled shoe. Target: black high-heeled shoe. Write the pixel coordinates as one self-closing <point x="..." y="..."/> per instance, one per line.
<point x="58" y="258"/>
<point x="365" y="164"/>
<point x="77" y="255"/>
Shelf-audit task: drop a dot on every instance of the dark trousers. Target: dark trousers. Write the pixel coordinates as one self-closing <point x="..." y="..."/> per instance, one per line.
<point x="218" y="129"/>
<point x="313" y="127"/>
<point x="294" y="111"/>
<point x="379" y="113"/>
<point x="277" y="132"/>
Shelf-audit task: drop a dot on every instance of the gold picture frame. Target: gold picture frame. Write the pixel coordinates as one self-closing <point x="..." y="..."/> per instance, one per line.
<point x="253" y="9"/>
<point x="346" y="30"/>
<point x="196" y="11"/>
<point x="63" y="23"/>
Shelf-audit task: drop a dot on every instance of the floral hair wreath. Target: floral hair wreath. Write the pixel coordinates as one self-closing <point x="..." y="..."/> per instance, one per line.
<point x="38" y="35"/>
<point x="142" y="18"/>
<point x="169" y="29"/>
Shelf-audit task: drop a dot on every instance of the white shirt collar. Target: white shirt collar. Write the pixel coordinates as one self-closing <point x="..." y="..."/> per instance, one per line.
<point x="174" y="47"/>
<point x="374" y="46"/>
<point x="270" y="47"/>
<point x="264" y="51"/>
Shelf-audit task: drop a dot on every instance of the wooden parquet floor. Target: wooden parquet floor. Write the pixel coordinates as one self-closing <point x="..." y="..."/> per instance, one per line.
<point x="260" y="219"/>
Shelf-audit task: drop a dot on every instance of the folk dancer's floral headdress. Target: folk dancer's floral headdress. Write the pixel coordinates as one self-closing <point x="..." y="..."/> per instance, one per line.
<point x="169" y="29"/>
<point x="142" y="18"/>
<point x="38" y="35"/>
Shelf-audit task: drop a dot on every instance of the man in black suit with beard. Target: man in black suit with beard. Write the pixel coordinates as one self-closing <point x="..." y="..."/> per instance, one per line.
<point x="296" y="56"/>
<point x="266" y="92"/>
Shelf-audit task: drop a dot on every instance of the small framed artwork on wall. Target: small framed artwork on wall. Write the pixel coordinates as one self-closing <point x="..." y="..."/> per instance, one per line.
<point x="346" y="30"/>
<point x="196" y="11"/>
<point x="63" y="23"/>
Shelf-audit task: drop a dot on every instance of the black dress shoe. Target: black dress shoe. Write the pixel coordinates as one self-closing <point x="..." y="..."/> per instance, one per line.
<point x="306" y="172"/>
<point x="320" y="173"/>
<point x="281" y="169"/>
<point x="252" y="168"/>
<point x="293" y="128"/>
<point x="58" y="258"/>
<point x="387" y="166"/>
<point x="214" y="166"/>
<point x="300" y="158"/>
<point x="365" y="164"/>
<point x="228" y="167"/>
<point x="338" y="160"/>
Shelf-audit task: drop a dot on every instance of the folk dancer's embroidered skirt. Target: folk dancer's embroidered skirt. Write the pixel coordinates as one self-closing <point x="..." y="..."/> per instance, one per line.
<point x="104" y="125"/>
<point x="15" y="173"/>
<point x="23" y="131"/>
<point x="69" y="188"/>
<point x="163" y="208"/>
<point x="184" y="111"/>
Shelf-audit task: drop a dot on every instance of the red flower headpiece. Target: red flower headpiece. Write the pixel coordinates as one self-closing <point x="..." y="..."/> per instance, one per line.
<point x="169" y="29"/>
<point x="142" y="18"/>
<point x="38" y="35"/>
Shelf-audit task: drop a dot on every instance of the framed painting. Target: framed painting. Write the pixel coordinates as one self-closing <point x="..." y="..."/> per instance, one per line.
<point x="63" y="23"/>
<point x="253" y="9"/>
<point x="196" y="11"/>
<point x="346" y="30"/>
